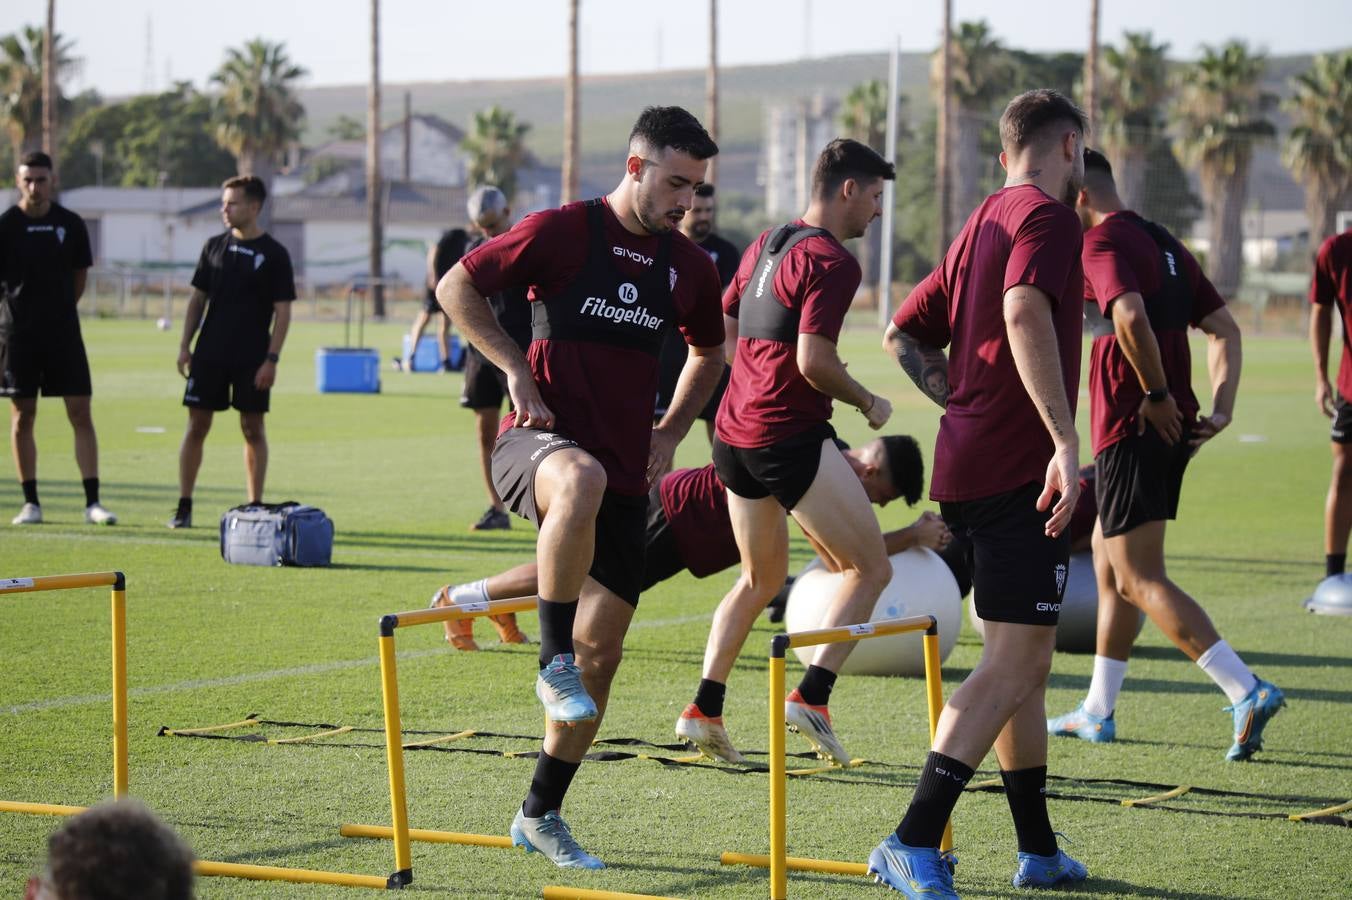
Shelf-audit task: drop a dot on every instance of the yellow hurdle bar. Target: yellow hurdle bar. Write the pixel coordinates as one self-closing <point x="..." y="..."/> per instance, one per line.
<point x="795" y="864"/>
<point x="39" y="809"/>
<point x="297" y="876"/>
<point x="1167" y="795"/>
<point x="474" y="610"/>
<point x="1327" y="811"/>
<point x="558" y="892"/>
<point x="779" y="875"/>
<point x="426" y="836"/>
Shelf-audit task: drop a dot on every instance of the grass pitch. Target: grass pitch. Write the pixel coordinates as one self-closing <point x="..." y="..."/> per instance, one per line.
<point x="398" y="472"/>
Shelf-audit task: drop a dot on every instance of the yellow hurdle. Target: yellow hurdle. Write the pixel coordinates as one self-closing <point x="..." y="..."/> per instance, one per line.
<point x="559" y="892"/>
<point x="296" y="876"/>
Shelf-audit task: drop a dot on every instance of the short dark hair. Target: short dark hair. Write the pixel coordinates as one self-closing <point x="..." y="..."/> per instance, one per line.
<point x="674" y="127"/>
<point x="846" y="158"/>
<point x="905" y="465"/>
<point x="119" y="851"/>
<point x="1094" y="161"/>
<point x="704" y="190"/>
<point x="1029" y="115"/>
<point x="252" y="186"/>
<point x="36" y="159"/>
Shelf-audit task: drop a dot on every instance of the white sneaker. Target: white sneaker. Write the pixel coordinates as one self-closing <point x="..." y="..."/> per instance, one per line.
<point x="708" y="734"/>
<point x="31" y="514"/>
<point x="95" y="514"/>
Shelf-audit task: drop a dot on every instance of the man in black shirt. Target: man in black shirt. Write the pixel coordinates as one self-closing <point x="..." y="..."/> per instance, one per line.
<point x="44" y="258"/>
<point x="445" y="253"/>
<point x="244" y="283"/>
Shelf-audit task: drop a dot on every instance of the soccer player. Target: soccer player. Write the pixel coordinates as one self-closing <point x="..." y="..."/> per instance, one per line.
<point x="689" y="530"/>
<point x="579" y="451"/>
<point x="1332" y="283"/>
<point x="44" y="259"/>
<point x="1145" y="429"/>
<point x="1006" y="300"/>
<point x="485" y="384"/>
<point x="244" y="284"/>
<point x="774" y="445"/>
<point x="445" y="253"/>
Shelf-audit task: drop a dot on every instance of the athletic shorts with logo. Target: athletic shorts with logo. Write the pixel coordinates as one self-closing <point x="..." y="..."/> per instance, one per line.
<point x="618" y="558"/>
<point x="1018" y="573"/>
<point x="784" y="470"/>
<point x="1341" y="432"/>
<point x="56" y="365"/>
<point x="218" y="386"/>
<point x="485" y="385"/>
<point x="1139" y="480"/>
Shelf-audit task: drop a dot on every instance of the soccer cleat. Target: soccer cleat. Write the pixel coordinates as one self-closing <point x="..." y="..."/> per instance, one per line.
<point x="549" y="835"/>
<point x="181" y="520"/>
<point x="508" y="633"/>
<point x="921" y="873"/>
<point x="459" y="632"/>
<point x="95" y="514"/>
<point x="1084" y="725"/>
<point x="1251" y="716"/>
<point x="1045" y="871"/>
<point x="814" y="723"/>
<point x="708" y="734"/>
<point x="559" y="687"/>
<point x="493" y="520"/>
<point x="29" y="514"/>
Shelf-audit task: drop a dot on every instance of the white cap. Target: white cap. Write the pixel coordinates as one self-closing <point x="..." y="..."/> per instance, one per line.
<point x="485" y="199"/>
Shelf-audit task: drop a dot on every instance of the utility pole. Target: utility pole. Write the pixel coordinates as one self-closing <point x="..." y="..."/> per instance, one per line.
<point x="570" y="111"/>
<point x="943" y="181"/>
<point x="889" y="190"/>
<point x="1091" y="67"/>
<point x="49" y="86"/>
<point x="711" y="89"/>
<point x="373" y="185"/>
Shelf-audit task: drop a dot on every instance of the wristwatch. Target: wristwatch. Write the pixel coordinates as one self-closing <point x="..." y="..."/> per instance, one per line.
<point x="1158" y="395"/>
<point x="274" y="358"/>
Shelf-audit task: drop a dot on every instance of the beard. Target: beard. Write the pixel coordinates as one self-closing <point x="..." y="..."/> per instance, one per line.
<point x="653" y="219"/>
<point x="1071" y="192"/>
<point x="699" y="231"/>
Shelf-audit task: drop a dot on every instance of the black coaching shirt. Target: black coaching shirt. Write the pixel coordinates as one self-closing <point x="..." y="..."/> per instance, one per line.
<point x="242" y="279"/>
<point x="38" y="261"/>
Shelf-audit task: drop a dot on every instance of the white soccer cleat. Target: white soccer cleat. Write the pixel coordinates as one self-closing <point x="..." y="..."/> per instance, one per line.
<point x="31" y="514"/>
<point x="95" y="514"/>
<point x="708" y="734"/>
<point x="814" y="723"/>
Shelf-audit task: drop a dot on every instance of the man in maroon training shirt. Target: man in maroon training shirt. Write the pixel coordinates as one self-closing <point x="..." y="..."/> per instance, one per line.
<point x="1332" y="284"/>
<point x="606" y="279"/>
<point x="1007" y="302"/>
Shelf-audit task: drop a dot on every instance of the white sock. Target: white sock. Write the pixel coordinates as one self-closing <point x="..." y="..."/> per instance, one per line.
<point x="474" y="592"/>
<point x="1223" y="665"/>
<point x="1105" y="686"/>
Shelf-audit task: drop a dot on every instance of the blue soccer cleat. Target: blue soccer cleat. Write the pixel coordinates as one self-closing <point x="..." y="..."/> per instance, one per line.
<point x="921" y="873"/>
<point x="1046" y="871"/>
<point x="1251" y="715"/>
<point x="1083" y="725"/>
<point x="559" y="687"/>
<point x="550" y="836"/>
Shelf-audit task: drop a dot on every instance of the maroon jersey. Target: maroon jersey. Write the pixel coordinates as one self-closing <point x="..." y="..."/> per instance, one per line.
<point x="768" y="399"/>
<point x="991" y="438"/>
<point x="601" y="298"/>
<point x="1125" y="254"/>
<point x="1332" y="283"/>
<point x="696" y="505"/>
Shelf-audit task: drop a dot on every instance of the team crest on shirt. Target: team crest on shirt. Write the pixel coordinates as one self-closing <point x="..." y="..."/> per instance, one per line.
<point x="1060" y="578"/>
<point x="672" y="272"/>
<point x="60" y="234"/>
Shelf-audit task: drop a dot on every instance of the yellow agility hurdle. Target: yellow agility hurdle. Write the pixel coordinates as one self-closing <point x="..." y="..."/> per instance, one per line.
<point x="778" y="860"/>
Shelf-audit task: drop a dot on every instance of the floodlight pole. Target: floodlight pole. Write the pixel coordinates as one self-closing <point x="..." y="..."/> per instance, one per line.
<point x="884" y="291"/>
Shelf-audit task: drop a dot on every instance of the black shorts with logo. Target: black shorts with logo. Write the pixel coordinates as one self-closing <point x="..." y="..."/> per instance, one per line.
<point x="1341" y="432"/>
<point x="617" y="561"/>
<point x="1018" y="573"/>
<point x="218" y="386"/>
<point x="485" y="384"/>
<point x="662" y="558"/>
<point x="784" y="470"/>
<point x="56" y="365"/>
<point x="1138" y="480"/>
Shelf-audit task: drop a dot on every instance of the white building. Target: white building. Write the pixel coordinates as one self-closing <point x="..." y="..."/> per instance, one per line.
<point x="795" y="134"/>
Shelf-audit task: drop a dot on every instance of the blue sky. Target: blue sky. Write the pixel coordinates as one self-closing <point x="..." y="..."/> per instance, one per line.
<point x="438" y="40"/>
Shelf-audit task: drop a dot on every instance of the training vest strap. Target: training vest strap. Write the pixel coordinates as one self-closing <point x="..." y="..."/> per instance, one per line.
<point x="761" y="313"/>
<point x="1169" y="307"/>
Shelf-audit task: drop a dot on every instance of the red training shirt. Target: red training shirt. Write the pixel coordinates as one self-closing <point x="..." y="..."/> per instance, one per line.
<point x="1332" y="283"/>
<point x="695" y="503"/>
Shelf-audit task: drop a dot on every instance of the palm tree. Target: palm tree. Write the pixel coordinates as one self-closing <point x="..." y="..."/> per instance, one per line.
<point x="1135" y="89"/>
<point x="863" y="116"/>
<point x="496" y="149"/>
<point x="21" y="55"/>
<point x="1318" y="149"/>
<point x="1222" y="114"/>
<point x="257" y="113"/>
<point x="980" y="73"/>
<point x="570" y="111"/>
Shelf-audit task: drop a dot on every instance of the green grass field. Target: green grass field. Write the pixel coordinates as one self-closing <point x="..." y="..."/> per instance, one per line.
<point x="398" y="473"/>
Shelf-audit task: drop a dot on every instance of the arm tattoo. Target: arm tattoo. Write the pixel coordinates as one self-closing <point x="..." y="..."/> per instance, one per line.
<point x="927" y="366"/>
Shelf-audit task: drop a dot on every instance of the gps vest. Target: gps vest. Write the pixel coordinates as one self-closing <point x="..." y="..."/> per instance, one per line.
<point x="1170" y="306"/>
<point x="761" y="313"/>
<point x="602" y="305"/>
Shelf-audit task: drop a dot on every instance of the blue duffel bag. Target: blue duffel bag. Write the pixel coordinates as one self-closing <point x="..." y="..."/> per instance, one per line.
<point x="277" y="534"/>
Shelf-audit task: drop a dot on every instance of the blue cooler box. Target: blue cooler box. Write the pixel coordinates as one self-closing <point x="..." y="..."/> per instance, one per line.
<point x="427" y="358"/>
<point x="347" y="370"/>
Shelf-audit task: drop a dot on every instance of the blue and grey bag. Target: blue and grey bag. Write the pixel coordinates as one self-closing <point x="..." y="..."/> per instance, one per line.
<point x="277" y="534"/>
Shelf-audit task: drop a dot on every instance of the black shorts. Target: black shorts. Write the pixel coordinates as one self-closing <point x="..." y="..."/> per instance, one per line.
<point x="784" y="470"/>
<point x="485" y="384"/>
<point x="662" y="558"/>
<point x="1138" y="480"/>
<point x="1018" y="573"/>
<point x="430" y="304"/>
<point x="218" y="386"/>
<point x="617" y="562"/>
<point x="1341" y="432"/>
<point x="56" y="365"/>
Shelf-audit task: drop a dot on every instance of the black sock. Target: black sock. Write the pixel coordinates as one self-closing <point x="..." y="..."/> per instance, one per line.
<point x="551" y="781"/>
<point x="1334" y="564"/>
<point x="556" y="629"/>
<point x="91" y="486"/>
<point x="941" y="783"/>
<point x="185" y="506"/>
<point x="815" y="688"/>
<point x="1026" y="791"/>
<point x="709" y="697"/>
<point x="30" y="491"/>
